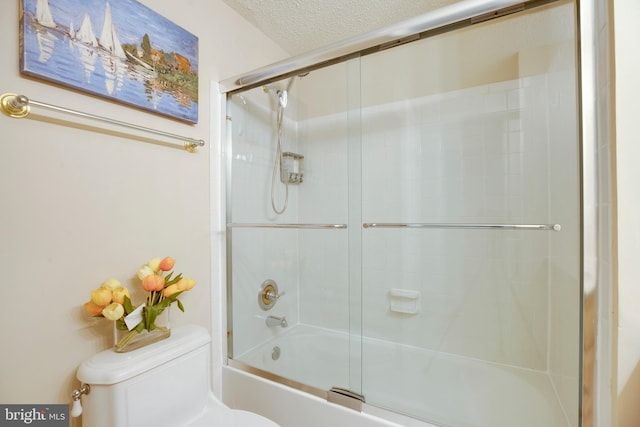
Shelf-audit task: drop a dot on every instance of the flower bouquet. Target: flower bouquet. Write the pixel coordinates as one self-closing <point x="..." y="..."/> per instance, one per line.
<point x="133" y="323"/>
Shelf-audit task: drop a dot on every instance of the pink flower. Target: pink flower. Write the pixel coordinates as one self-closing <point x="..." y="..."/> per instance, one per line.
<point x="153" y="282"/>
<point x="167" y="263"/>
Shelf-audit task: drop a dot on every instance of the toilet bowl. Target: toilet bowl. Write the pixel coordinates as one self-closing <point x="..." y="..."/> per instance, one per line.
<point x="165" y="384"/>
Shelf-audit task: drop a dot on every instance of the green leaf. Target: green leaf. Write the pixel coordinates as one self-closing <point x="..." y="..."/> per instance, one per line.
<point x="180" y="306"/>
<point x="128" y="307"/>
<point x="150" y="314"/>
<point x="167" y="279"/>
<point x="121" y="325"/>
<point x="176" y="279"/>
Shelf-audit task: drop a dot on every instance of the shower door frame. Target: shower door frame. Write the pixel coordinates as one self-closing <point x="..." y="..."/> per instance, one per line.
<point x="595" y="407"/>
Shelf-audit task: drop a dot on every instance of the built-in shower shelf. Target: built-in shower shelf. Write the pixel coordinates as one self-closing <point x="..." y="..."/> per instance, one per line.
<point x="406" y="301"/>
<point x="295" y="226"/>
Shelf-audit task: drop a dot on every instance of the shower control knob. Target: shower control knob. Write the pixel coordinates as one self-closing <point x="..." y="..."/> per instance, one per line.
<point x="273" y="295"/>
<point x="268" y="294"/>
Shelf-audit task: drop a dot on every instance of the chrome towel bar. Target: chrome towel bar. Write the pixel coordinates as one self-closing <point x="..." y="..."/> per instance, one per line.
<point x="18" y="106"/>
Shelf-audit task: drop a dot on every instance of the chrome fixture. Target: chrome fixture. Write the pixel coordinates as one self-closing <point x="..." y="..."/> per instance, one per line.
<point x="268" y="294"/>
<point x="277" y="321"/>
<point x="19" y="106"/>
<point x="282" y="94"/>
<point x="289" y="164"/>
<point x="275" y="353"/>
<point x="76" y="409"/>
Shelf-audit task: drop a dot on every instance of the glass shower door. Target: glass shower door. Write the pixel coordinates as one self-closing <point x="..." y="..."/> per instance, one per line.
<point x="299" y="235"/>
<point x="470" y="208"/>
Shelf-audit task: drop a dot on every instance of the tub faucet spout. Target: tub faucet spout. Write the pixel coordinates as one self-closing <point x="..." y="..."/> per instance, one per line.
<point x="277" y="321"/>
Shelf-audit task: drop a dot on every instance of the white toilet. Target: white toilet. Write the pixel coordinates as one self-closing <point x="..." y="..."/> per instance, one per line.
<point x="165" y="384"/>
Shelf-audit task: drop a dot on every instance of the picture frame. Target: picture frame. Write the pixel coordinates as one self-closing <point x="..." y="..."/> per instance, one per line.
<point x="115" y="49"/>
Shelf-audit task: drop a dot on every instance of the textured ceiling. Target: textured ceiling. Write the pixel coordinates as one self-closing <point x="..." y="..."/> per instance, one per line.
<point x="299" y="26"/>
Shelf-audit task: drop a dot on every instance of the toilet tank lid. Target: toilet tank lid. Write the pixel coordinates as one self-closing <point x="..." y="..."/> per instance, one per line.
<point x="109" y="367"/>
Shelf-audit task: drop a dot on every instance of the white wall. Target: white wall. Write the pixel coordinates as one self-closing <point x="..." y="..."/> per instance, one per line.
<point x="79" y="207"/>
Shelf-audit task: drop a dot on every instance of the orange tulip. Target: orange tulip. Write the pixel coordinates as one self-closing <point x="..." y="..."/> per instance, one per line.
<point x="167" y="263"/>
<point x="153" y="282"/>
<point x="92" y="308"/>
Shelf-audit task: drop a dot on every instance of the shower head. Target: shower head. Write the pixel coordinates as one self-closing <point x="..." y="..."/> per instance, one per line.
<point x="282" y="97"/>
<point x="282" y="94"/>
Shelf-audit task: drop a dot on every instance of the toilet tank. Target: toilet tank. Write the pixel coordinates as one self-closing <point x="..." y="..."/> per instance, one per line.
<point x="163" y="384"/>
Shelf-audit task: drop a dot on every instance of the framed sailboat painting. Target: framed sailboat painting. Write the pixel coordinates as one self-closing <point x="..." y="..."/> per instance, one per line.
<point x="117" y="49"/>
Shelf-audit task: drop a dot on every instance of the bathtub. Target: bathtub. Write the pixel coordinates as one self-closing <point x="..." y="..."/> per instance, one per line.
<point x="443" y="388"/>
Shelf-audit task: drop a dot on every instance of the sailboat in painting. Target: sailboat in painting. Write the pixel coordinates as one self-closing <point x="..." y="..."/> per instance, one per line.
<point x="108" y="38"/>
<point x="85" y="34"/>
<point x="44" y="29"/>
<point x="43" y="14"/>
<point x="87" y="46"/>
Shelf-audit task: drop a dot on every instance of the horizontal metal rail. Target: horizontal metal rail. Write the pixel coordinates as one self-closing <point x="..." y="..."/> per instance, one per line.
<point x="541" y="227"/>
<point x="293" y="226"/>
<point x="18" y="106"/>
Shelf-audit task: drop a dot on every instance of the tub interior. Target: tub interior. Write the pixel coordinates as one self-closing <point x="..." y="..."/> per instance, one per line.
<point x="478" y="392"/>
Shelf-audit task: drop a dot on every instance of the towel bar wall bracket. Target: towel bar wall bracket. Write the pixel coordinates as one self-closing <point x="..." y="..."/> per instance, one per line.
<point x="19" y="106"/>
